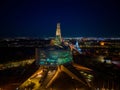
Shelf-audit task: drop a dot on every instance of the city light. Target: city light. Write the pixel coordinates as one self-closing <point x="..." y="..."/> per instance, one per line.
<point x="62" y="63"/>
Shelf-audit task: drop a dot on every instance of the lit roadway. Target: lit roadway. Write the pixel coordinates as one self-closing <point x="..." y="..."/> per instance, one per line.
<point x="39" y="79"/>
<point x="50" y="74"/>
<point x="44" y="77"/>
<point x="16" y="64"/>
<point x="11" y="65"/>
<point x="35" y="78"/>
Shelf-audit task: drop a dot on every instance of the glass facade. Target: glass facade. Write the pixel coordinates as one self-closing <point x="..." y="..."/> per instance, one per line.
<point x="54" y="57"/>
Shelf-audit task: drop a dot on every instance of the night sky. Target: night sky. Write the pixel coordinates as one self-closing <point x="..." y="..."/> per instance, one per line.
<point x="78" y="18"/>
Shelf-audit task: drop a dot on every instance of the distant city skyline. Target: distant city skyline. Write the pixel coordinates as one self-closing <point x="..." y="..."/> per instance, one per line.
<point x="77" y="18"/>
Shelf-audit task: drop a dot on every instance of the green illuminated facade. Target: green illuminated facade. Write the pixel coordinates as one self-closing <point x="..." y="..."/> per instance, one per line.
<point x="57" y="40"/>
<point x="54" y="56"/>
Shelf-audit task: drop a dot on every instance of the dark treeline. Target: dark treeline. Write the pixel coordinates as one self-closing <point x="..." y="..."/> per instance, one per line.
<point x="8" y="54"/>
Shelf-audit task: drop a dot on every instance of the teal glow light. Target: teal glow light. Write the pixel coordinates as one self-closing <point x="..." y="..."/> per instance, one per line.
<point x="55" y="57"/>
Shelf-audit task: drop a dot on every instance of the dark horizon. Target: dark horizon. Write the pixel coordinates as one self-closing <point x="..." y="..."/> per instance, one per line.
<point x="77" y="18"/>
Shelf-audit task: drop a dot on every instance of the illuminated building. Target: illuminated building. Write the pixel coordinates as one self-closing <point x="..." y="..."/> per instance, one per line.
<point x="77" y="47"/>
<point x="102" y="43"/>
<point x="55" y="54"/>
<point x="59" y="55"/>
<point x="58" y="39"/>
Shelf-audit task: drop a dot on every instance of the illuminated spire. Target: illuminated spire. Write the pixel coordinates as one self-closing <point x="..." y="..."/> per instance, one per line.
<point x="58" y="34"/>
<point x="58" y="31"/>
